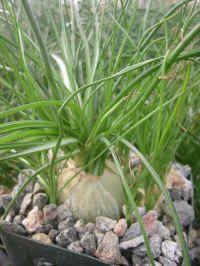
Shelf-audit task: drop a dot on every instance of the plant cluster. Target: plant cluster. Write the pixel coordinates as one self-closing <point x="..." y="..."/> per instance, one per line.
<point x="97" y="80"/>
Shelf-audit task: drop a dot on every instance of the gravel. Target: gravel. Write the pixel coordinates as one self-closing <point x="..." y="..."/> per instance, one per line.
<point x="114" y="242"/>
<point x="105" y="224"/>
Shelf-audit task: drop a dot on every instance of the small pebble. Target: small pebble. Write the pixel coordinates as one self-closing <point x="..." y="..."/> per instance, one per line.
<point x="33" y="220"/>
<point x="155" y="245"/>
<point x="121" y="227"/>
<point x="22" y="177"/>
<point x="99" y="236"/>
<point x="136" y="260"/>
<point x="66" y="237"/>
<point x="40" y="200"/>
<point x="75" y="247"/>
<point x="162" y="230"/>
<point x="108" y="250"/>
<point x="90" y="227"/>
<point x="80" y="227"/>
<point x="150" y="222"/>
<point x="68" y="222"/>
<point x="133" y="243"/>
<point x="88" y="243"/>
<point x="63" y="212"/>
<point x="184" y="210"/>
<point x="41" y="237"/>
<point x="105" y="224"/>
<point x="13" y="228"/>
<point x="5" y="200"/>
<point x="142" y="212"/>
<point x="44" y="228"/>
<point x="10" y="216"/>
<point x="26" y="202"/>
<point x="50" y="214"/>
<point x="37" y="188"/>
<point x="175" y="193"/>
<point x="53" y="234"/>
<point x="132" y="232"/>
<point x="18" y="219"/>
<point x="166" y="262"/>
<point x="171" y="250"/>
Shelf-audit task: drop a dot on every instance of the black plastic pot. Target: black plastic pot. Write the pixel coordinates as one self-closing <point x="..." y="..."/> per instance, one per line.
<point x="26" y="252"/>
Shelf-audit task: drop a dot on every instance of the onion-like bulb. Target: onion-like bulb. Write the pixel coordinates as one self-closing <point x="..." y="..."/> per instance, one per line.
<point x="89" y="196"/>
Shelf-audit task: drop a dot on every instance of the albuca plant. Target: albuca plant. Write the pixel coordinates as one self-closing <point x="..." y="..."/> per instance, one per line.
<point x="93" y="88"/>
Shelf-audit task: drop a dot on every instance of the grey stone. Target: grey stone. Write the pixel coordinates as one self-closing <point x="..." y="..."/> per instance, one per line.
<point x="188" y="191"/>
<point x="177" y="239"/>
<point x="133" y="243"/>
<point x="67" y="236"/>
<point x="162" y="231"/>
<point x="124" y="261"/>
<point x="155" y="245"/>
<point x="63" y="212"/>
<point x="37" y="188"/>
<point x="176" y="179"/>
<point x="150" y="222"/>
<point x="105" y="224"/>
<point x="195" y="254"/>
<point x="99" y="236"/>
<point x="5" y="200"/>
<point x="134" y="160"/>
<point x="140" y="251"/>
<point x="197" y="242"/>
<point x="22" y="177"/>
<point x="132" y="232"/>
<point x="43" y="238"/>
<point x="172" y="229"/>
<point x="90" y="227"/>
<point x="142" y="212"/>
<point x="34" y="220"/>
<point x="75" y="247"/>
<point x="170" y="250"/>
<point x="166" y="262"/>
<point x="18" y="219"/>
<point x="50" y="214"/>
<point x="88" y="243"/>
<point x="44" y="228"/>
<point x="136" y="260"/>
<point x="184" y="169"/>
<point x="121" y="227"/>
<point x="108" y="250"/>
<point x="68" y="222"/>
<point x="185" y="212"/>
<point x="175" y="193"/>
<point x="10" y="216"/>
<point x="53" y="234"/>
<point x="80" y="227"/>
<point x="40" y="200"/>
<point x="20" y="197"/>
<point x="26" y="203"/>
<point x="13" y="228"/>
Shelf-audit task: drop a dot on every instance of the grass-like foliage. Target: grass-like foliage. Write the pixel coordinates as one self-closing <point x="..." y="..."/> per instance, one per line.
<point x="98" y="80"/>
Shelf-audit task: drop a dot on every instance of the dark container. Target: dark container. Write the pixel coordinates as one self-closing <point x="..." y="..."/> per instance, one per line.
<point x="23" y="251"/>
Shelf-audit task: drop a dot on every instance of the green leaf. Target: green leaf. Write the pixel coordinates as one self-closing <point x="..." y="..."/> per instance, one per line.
<point x="46" y="146"/>
<point x="170" y="204"/>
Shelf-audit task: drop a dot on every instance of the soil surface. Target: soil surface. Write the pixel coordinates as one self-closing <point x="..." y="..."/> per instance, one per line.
<point x="111" y="241"/>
